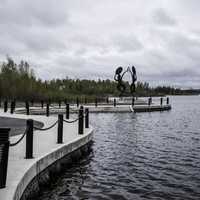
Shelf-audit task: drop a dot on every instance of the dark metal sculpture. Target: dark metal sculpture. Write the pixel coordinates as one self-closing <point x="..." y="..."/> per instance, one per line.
<point x="134" y="79"/>
<point x="119" y="78"/>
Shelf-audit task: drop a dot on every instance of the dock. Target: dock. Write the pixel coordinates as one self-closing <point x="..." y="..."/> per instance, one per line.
<point x="38" y="153"/>
<point x="25" y="176"/>
<point x="101" y="108"/>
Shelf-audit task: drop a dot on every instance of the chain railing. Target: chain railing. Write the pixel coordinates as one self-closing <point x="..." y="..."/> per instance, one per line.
<point x="20" y="139"/>
<point x="45" y="129"/>
<point x="5" y="144"/>
<point x="69" y="122"/>
<point x="96" y="103"/>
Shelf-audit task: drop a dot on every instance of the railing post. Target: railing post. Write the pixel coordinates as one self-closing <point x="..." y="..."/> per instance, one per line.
<point x="14" y="105"/>
<point x="27" y="108"/>
<point x="5" y="106"/>
<point x="47" y="110"/>
<point x="4" y="151"/>
<point x="59" y="104"/>
<point x="167" y="100"/>
<point x="42" y="104"/>
<point x="96" y="102"/>
<point x="11" y="107"/>
<point x="149" y="101"/>
<point x="77" y="102"/>
<point x="161" y="101"/>
<point x="87" y="118"/>
<point x="85" y="100"/>
<point x="65" y="101"/>
<point x="80" y="121"/>
<point x="29" y="139"/>
<point x="60" y="129"/>
<point x="115" y="103"/>
<point x="133" y="101"/>
<point x="67" y="111"/>
<point x="107" y="100"/>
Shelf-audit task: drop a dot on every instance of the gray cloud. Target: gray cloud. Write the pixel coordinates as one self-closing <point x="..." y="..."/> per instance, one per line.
<point x="89" y="39"/>
<point x="127" y="43"/>
<point x="161" y="17"/>
<point x="33" y="13"/>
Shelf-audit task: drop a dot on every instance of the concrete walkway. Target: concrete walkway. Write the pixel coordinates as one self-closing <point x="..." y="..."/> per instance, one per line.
<point x="17" y="126"/>
<point x="21" y="171"/>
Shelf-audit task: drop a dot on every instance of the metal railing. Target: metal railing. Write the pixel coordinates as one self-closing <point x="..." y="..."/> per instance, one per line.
<point x="29" y="133"/>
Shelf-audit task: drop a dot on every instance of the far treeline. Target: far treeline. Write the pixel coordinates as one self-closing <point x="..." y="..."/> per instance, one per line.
<point x="18" y="81"/>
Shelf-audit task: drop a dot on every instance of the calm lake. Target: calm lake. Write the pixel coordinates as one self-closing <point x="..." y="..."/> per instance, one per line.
<point x="138" y="156"/>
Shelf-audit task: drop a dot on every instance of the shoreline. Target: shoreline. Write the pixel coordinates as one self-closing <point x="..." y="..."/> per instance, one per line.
<point x="48" y="155"/>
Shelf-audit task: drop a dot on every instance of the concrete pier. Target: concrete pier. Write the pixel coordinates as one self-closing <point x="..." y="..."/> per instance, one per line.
<point x="101" y="108"/>
<point x="25" y="175"/>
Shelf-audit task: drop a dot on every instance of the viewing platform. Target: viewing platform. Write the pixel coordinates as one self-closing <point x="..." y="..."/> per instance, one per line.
<point x="49" y="155"/>
<point x="113" y="106"/>
<point x="50" y="142"/>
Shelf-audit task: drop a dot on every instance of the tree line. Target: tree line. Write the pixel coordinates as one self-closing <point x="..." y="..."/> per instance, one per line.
<point x="18" y="81"/>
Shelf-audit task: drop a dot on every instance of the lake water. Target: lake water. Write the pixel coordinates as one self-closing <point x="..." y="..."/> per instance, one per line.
<point x="138" y="156"/>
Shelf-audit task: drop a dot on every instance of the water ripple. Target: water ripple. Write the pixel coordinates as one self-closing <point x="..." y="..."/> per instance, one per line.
<point x="138" y="156"/>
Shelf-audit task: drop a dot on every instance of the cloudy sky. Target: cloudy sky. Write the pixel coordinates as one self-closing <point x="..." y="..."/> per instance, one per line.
<point x="91" y="38"/>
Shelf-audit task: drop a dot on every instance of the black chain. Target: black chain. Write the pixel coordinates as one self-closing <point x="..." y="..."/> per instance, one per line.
<point x="71" y="121"/>
<point x="14" y="144"/>
<point x="45" y="129"/>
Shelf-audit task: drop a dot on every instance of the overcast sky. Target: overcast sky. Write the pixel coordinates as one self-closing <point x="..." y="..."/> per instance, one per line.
<point x="91" y="38"/>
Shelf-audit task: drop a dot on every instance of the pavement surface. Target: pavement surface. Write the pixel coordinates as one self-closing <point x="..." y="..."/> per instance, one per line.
<point x="45" y="150"/>
<point x="17" y="125"/>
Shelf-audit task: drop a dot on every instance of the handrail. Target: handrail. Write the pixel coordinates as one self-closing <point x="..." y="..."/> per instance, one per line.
<point x="67" y="121"/>
<point x="14" y="144"/>
<point x="45" y="129"/>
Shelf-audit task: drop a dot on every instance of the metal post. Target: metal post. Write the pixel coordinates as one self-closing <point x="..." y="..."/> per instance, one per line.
<point x="67" y="111"/>
<point x="27" y="108"/>
<point x="107" y="100"/>
<point x="133" y="101"/>
<point x="59" y="104"/>
<point x="149" y="101"/>
<point x="77" y="102"/>
<point x="167" y="100"/>
<point x="47" y="110"/>
<point x="42" y="104"/>
<point x="115" y="103"/>
<point x="161" y="101"/>
<point x="87" y="118"/>
<point x="29" y="139"/>
<point x="80" y="121"/>
<point x="12" y="107"/>
<point x="4" y="150"/>
<point x="96" y="102"/>
<point x="60" y="129"/>
<point x="5" y="106"/>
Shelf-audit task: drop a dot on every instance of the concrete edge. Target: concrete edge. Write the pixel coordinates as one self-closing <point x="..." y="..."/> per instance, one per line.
<point x="47" y="160"/>
<point x="153" y="108"/>
<point x="105" y="109"/>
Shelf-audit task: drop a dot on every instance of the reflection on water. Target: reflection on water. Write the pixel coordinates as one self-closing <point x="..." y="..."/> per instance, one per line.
<point x="138" y="156"/>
